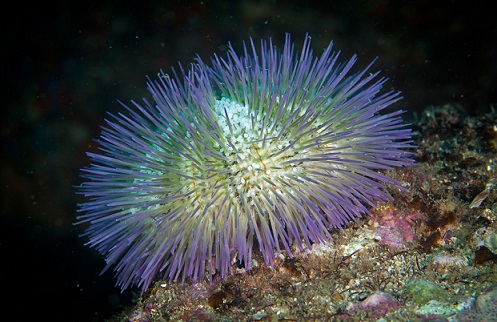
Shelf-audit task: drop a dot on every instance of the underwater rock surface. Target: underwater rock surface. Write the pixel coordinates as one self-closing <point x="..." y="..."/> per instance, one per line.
<point x="442" y="239"/>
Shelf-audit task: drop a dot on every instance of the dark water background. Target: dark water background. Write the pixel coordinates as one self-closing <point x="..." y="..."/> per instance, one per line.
<point x="65" y="64"/>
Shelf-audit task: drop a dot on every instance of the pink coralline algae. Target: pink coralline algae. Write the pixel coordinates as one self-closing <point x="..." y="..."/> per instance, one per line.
<point x="377" y="305"/>
<point x="394" y="229"/>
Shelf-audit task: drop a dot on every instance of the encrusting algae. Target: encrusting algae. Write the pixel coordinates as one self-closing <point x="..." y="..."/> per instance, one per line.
<point x="439" y="265"/>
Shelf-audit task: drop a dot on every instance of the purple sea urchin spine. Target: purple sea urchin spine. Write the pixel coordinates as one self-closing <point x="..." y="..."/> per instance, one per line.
<point x="274" y="146"/>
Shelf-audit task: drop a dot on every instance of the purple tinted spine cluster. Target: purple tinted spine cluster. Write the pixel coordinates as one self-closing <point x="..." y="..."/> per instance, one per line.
<point x="274" y="146"/>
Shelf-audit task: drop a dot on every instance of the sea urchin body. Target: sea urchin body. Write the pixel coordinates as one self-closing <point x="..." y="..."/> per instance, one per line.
<point x="271" y="146"/>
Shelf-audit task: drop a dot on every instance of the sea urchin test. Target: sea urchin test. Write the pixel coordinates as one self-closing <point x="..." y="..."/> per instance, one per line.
<point x="271" y="146"/>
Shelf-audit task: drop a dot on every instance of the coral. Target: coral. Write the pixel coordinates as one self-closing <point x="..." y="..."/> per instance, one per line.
<point x="269" y="149"/>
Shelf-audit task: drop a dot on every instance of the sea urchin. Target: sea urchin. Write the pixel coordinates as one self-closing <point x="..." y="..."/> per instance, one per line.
<point x="273" y="147"/>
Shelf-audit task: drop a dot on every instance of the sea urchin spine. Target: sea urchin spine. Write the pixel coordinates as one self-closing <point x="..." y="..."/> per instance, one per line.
<point x="269" y="146"/>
